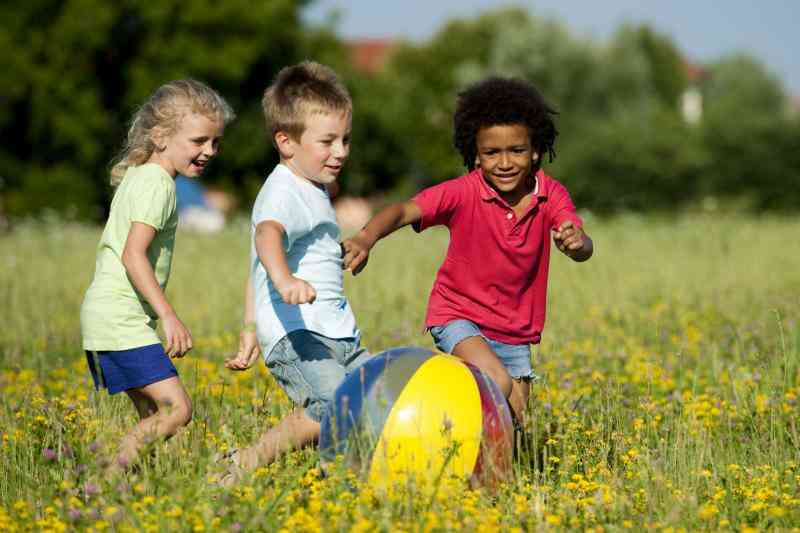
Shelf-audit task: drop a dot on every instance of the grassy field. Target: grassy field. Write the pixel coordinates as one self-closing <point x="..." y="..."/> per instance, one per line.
<point x="669" y="400"/>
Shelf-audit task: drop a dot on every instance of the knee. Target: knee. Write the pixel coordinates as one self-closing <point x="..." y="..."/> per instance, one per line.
<point x="185" y="412"/>
<point x="179" y="411"/>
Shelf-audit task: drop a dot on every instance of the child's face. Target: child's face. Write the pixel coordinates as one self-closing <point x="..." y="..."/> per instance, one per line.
<point x="506" y="157"/>
<point x="323" y="147"/>
<point x="191" y="147"/>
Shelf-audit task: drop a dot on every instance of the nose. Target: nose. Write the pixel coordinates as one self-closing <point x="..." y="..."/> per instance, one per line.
<point x="340" y="150"/>
<point x="505" y="160"/>
<point x="210" y="148"/>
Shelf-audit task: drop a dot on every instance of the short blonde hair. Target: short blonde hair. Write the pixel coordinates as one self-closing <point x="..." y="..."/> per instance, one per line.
<point x="300" y="91"/>
<point x="164" y="110"/>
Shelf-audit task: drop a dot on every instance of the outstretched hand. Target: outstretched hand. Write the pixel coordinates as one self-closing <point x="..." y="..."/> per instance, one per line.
<point x="355" y="254"/>
<point x="569" y="237"/>
<point x="249" y="351"/>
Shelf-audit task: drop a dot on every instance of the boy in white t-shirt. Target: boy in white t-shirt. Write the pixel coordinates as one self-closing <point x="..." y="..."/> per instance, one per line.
<point x="295" y="296"/>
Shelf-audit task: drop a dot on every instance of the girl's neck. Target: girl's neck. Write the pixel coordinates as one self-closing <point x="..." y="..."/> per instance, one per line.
<point x="156" y="158"/>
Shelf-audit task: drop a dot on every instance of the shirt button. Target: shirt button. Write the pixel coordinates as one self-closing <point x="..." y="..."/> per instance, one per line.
<point x="508" y="216"/>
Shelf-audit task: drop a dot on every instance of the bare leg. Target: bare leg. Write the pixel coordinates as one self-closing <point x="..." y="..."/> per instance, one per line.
<point x="518" y="400"/>
<point x="144" y="405"/>
<point x="294" y="431"/>
<point x="475" y="350"/>
<point x="174" y="409"/>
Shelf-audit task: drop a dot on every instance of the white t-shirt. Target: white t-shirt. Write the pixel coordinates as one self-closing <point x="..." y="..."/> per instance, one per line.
<point x="313" y="252"/>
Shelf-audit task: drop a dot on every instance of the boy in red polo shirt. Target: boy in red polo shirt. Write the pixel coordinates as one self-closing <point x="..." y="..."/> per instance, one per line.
<point x="487" y="305"/>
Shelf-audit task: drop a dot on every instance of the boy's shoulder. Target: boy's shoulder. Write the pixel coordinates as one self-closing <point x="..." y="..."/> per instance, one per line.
<point x="548" y="185"/>
<point x="278" y="182"/>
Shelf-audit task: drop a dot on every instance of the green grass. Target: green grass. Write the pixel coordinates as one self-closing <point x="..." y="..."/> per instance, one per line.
<point x="670" y="364"/>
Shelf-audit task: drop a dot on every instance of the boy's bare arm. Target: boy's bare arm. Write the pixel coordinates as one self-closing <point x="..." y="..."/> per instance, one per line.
<point x="269" y="246"/>
<point x="388" y="220"/>
<point x="572" y="240"/>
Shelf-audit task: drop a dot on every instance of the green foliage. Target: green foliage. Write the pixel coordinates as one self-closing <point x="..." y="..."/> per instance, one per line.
<point x="751" y="139"/>
<point x="634" y="160"/>
<point x="77" y="70"/>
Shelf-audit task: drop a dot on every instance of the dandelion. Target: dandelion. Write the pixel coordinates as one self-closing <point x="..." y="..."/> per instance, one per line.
<point x="777" y="512"/>
<point x="708" y="511"/>
<point x="553" y="519"/>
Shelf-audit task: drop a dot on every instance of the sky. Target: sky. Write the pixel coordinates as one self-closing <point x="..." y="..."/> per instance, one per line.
<point x="702" y="29"/>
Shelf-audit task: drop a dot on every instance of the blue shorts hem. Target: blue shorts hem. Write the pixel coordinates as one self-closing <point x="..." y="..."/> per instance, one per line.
<point x="123" y="370"/>
<point x="516" y="358"/>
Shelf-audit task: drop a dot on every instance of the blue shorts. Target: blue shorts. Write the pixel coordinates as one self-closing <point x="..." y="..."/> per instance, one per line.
<point x="515" y="357"/>
<point x="130" y="369"/>
<point x="309" y="367"/>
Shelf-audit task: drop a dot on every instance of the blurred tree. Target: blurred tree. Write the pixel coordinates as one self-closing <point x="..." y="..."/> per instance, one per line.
<point x="634" y="160"/>
<point x="667" y="74"/>
<point x="750" y="136"/>
<point x="77" y="69"/>
<point x="418" y="91"/>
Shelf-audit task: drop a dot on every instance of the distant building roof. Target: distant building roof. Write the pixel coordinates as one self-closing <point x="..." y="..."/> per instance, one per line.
<point x="795" y="103"/>
<point x="370" y="55"/>
<point x="694" y="71"/>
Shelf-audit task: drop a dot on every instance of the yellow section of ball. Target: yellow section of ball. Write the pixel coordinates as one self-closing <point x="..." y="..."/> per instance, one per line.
<point x="434" y="427"/>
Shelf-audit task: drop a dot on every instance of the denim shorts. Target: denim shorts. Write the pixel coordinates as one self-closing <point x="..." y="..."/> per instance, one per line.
<point x="309" y="367"/>
<point x="515" y="357"/>
<point x="129" y="369"/>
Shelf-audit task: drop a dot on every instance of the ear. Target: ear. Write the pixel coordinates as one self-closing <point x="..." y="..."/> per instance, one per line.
<point x="535" y="156"/>
<point x="285" y="144"/>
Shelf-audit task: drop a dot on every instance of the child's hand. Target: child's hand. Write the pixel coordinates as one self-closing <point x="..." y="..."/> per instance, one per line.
<point x="356" y="254"/>
<point x="249" y="351"/>
<point x="573" y="241"/>
<point x="568" y="237"/>
<point x="295" y="291"/>
<point x="179" y="340"/>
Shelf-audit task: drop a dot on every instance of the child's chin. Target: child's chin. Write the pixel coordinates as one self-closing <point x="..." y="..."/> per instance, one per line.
<point x="325" y="179"/>
<point x="193" y="172"/>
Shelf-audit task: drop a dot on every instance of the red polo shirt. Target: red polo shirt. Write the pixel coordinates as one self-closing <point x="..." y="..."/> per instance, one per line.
<point x="495" y="272"/>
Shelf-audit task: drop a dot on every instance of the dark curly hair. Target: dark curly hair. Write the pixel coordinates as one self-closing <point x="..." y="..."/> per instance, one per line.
<point x="502" y="101"/>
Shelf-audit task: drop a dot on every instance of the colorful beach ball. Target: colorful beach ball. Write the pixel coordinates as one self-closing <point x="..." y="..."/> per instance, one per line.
<point x="409" y="413"/>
